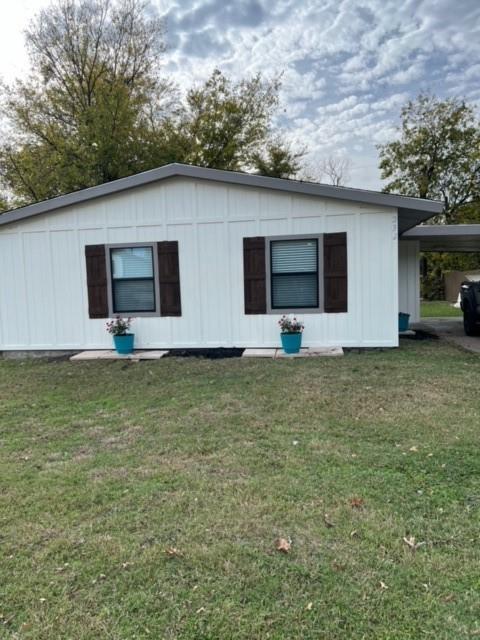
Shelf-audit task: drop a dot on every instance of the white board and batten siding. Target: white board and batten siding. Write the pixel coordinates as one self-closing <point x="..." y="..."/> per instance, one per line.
<point x="409" y="278"/>
<point x="43" y="292"/>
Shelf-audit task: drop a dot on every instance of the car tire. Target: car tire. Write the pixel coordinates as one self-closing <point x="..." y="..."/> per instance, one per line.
<point x="469" y="322"/>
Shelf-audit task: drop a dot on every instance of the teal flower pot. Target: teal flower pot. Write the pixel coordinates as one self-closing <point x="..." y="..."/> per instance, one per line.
<point x="291" y="342"/>
<point x="124" y="344"/>
<point x="403" y="321"/>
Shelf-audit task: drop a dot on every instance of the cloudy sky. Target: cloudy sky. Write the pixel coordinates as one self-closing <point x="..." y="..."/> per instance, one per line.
<point x="347" y="65"/>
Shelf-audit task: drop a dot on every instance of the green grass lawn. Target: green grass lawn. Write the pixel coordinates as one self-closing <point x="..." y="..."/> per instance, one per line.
<point x="144" y="500"/>
<point x="438" y="309"/>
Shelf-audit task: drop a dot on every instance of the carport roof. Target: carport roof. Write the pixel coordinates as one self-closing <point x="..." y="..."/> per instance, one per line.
<point x="451" y="237"/>
<point x="411" y="211"/>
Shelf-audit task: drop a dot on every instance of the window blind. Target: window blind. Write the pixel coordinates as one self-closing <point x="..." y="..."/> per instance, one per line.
<point x="133" y="286"/>
<point x="294" y="273"/>
<point x="132" y="262"/>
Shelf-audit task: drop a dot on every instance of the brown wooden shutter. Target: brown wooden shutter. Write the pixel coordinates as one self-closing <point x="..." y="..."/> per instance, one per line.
<point x="96" y="281"/>
<point x="169" y="278"/>
<point x="254" y="275"/>
<point x="335" y="276"/>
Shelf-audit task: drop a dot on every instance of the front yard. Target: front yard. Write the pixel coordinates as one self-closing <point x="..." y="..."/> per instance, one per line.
<point x="439" y="309"/>
<point x="144" y="500"/>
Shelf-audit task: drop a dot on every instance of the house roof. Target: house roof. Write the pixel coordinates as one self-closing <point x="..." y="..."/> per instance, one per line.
<point x="411" y="211"/>
<point x="446" y="237"/>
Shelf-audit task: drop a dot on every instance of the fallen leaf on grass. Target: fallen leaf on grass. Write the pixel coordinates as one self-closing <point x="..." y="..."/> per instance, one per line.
<point x="413" y="449"/>
<point x="173" y="552"/>
<point x="309" y="606"/>
<point x="283" y="545"/>
<point x="410" y="542"/>
<point x="357" y="503"/>
<point x="328" y="523"/>
<point x="201" y="610"/>
<point x="60" y="569"/>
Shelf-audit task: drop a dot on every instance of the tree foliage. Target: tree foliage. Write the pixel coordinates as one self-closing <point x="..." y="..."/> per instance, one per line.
<point x="437" y="155"/>
<point x="84" y="114"/>
<point x="226" y="123"/>
<point x="278" y="161"/>
<point x="96" y="106"/>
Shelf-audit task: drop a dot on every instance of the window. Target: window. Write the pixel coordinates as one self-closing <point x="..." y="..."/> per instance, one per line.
<point x="132" y="279"/>
<point x="294" y="274"/>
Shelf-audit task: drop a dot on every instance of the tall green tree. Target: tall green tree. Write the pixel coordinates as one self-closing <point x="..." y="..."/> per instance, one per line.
<point x="437" y="154"/>
<point x="95" y="105"/>
<point x="228" y="125"/>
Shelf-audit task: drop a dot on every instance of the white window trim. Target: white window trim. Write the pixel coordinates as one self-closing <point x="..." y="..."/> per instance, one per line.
<point x="133" y="314"/>
<point x="268" y="273"/>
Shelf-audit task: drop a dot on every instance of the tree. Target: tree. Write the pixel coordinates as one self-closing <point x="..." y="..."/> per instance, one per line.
<point x="278" y="161"/>
<point x="94" y="106"/>
<point x="336" y="169"/>
<point x="437" y="154"/>
<point x="228" y="125"/>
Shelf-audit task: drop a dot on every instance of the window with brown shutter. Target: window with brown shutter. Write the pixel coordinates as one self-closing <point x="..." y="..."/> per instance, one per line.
<point x="254" y="275"/>
<point x="137" y="279"/>
<point x="169" y="278"/>
<point x="335" y="275"/>
<point x="97" y="285"/>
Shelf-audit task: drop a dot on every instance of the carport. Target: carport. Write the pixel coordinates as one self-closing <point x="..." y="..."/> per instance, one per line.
<point x="461" y="238"/>
<point x="428" y="237"/>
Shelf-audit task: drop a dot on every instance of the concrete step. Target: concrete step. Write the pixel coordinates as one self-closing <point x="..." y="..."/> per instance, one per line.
<point x="110" y="354"/>
<point x="307" y="352"/>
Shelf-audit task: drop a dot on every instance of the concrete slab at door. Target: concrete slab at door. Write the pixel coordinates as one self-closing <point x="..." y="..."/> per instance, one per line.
<point x="113" y="355"/>
<point x="259" y="353"/>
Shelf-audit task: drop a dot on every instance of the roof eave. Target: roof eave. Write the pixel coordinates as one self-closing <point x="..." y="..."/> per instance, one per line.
<point x="421" y="209"/>
<point x="463" y="238"/>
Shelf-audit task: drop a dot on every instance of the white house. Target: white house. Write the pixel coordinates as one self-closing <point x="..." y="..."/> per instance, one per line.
<point x="208" y="258"/>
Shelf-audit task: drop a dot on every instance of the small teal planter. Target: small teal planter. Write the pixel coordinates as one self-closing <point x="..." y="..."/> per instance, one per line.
<point x="124" y="344"/>
<point x="291" y="342"/>
<point x="403" y="321"/>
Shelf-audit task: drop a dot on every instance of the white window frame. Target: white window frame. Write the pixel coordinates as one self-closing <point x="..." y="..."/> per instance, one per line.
<point x="108" y="258"/>
<point x="268" y="272"/>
